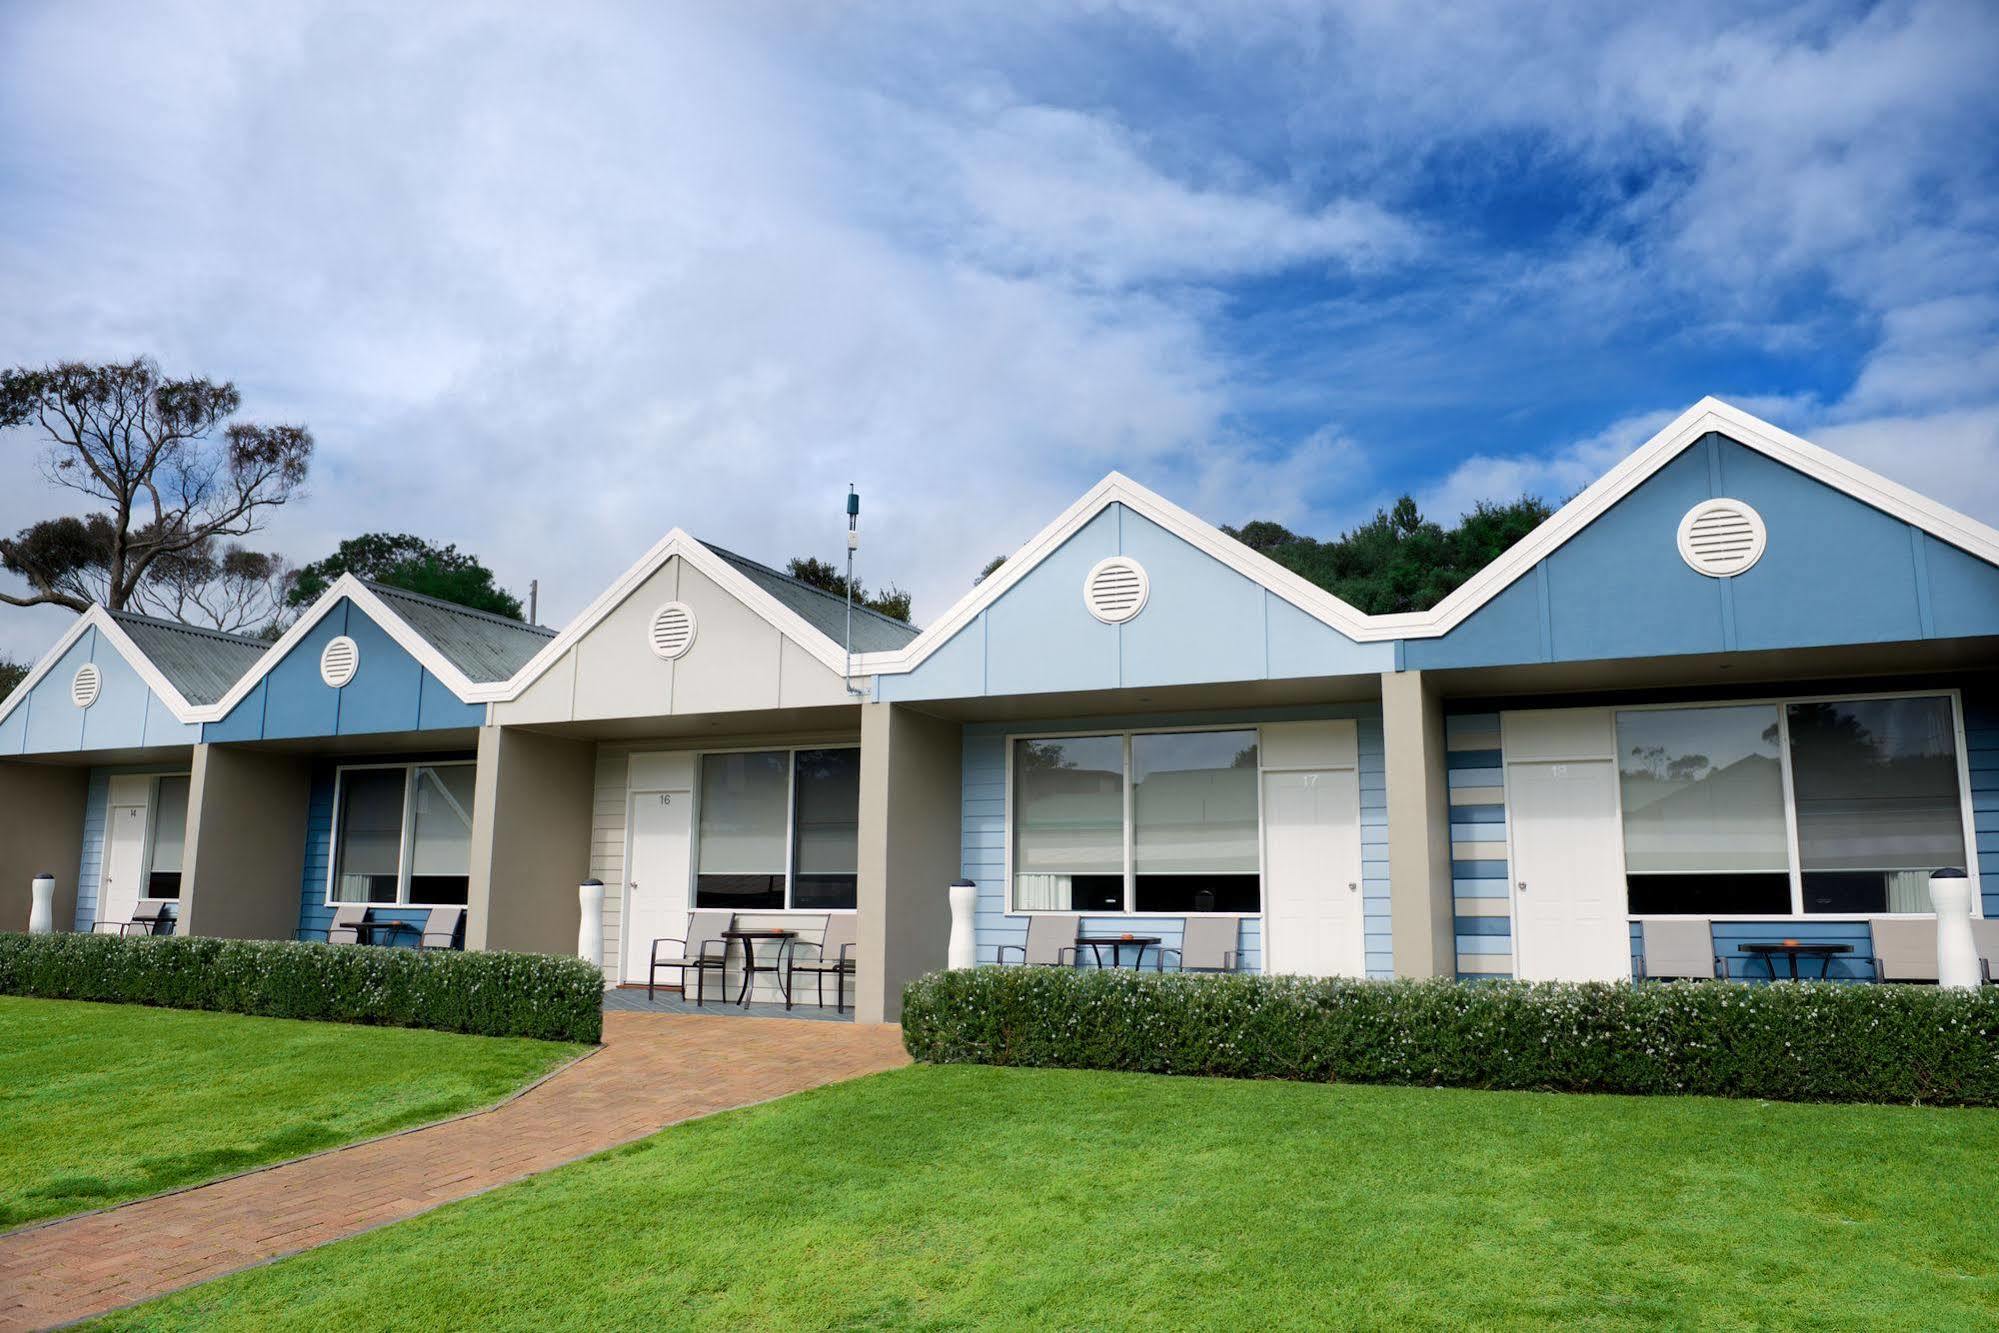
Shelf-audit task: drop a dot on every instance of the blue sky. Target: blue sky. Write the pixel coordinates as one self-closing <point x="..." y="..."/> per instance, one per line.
<point x="548" y="280"/>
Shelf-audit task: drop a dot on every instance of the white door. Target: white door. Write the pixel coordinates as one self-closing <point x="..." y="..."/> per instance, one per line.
<point x="124" y="859"/>
<point x="1312" y="920"/>
<point x="656" y="874"/>
<point x="1568" y="872"/>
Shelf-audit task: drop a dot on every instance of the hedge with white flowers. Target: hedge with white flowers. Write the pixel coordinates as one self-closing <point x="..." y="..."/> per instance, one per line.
<point x="1792" y="1041"/>
<point x="492" y="994"/>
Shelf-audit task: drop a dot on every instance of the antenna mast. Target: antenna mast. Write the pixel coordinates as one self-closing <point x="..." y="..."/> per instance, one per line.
<point x="853" y="544"/>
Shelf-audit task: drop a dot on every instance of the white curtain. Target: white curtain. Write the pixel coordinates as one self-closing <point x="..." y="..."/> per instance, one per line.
<point x="1041" y="893"/>
<point x="1909" y="891"/>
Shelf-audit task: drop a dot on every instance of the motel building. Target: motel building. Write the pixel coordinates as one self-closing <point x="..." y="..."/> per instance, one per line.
<point x="1738" y="690"/>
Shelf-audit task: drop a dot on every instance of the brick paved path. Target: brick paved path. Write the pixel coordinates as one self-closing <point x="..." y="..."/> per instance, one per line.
<point x="653" y="1070"/>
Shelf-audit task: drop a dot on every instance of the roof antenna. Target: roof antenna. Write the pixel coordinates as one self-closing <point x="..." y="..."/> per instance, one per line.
<point x="534" y="597"/>
<point x="853" y="544"/>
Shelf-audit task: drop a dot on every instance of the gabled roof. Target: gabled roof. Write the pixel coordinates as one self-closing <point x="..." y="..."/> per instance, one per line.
<point x="486" y="647"/>
<point x="1708" y="415"/>
<point x="873" y="631"/>
<point x="201" y="663"/>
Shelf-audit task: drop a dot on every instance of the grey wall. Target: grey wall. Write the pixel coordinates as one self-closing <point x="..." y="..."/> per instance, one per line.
<point x="246" y="825"/>
<point x="530" y="841"/>
<point x="1419" y="826"/>
<point x="909" y="854"/>
<point x="41" y="830"/>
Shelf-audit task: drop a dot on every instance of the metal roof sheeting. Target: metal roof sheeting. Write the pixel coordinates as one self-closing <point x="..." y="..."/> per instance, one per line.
<point x="486" y="647"/>
<point x="201" y="663"/>
<point x="825" y="612"/>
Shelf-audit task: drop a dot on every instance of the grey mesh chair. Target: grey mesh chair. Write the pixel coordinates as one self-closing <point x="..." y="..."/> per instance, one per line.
<point x="1680" y="950"/>
<point x="1905" y="949"/>
<point x="149" y="917"/>
<point x="345" y="928"/>
<point x="832" y="956"/>
<point x="440" y="928"/>
<point x="1985" y="936"/>
<point x="704" y="950"/>
<point x="1207" y="944"/>
<point x="1051" y="941"/>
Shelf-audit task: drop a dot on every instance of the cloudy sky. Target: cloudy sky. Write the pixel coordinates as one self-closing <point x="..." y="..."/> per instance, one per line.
<point x="547" y="280"/>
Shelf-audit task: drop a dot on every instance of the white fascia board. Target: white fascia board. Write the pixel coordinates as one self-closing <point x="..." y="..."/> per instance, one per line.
<point x="101" y="620"/>
<point x="732" y="580"/>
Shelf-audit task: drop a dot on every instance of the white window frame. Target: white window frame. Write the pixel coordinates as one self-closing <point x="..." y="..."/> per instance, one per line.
<point x="408" y="768"/>
<point x="1130" y="826"/>
<point x="790" y="753"/>
<point x="1966" y="819"/>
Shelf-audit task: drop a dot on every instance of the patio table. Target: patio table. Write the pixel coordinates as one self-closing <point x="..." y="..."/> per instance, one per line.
<point x="369" y="932"/>
<point x="1098" y="943"/>
<point x="1794" y="950"/>
<point x="749" y="939"/>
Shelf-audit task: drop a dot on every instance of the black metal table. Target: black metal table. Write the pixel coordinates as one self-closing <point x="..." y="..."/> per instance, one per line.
<point x="369" y="932"/>
<point x="748" y="939"/>
<point x="1098" y="943"/>
<point x="1794" y="950"/>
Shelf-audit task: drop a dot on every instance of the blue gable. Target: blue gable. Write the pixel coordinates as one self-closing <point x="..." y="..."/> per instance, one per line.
<point x="390" y="691"/>
<point x="127" y="714"/>
<point x="1835" y="571"/>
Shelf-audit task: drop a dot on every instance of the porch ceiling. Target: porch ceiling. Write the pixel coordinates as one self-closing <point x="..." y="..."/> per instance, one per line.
<point x="151" y="754"/>
<point x="442" y="740"/>
<point x="833" y="718"/>
<point x="1158" y="699"/>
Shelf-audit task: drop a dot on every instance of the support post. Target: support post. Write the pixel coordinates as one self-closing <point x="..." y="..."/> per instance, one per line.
<point x="1419" y="827"/>
<point x="911" y="776"/>
<point x="246" y="826"/>
<point x="530" y="841"/>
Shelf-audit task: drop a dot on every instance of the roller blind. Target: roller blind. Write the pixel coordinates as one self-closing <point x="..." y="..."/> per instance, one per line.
<point x="743" y="813"/>
<point x="1194" y="798"/>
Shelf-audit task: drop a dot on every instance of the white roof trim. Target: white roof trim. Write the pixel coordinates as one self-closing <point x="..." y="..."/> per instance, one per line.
<point x="1708" y="415"/>
<point x="102" y="621"/>
<point x="732" y="580"/>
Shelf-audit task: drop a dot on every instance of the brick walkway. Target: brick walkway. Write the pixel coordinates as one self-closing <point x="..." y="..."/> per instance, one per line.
<point x="653" y="1070"/>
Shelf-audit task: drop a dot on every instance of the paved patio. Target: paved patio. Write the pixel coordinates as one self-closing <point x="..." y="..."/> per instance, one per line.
<point x="652" y="1071"/>
<point x="632" y="1000"/>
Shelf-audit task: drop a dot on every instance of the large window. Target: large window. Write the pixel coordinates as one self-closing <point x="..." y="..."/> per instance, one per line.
<point x="779" y="829"/>
<point x="403" y="834"/>
<point x="168" y="839"/>
<point x="1141" y="822"/>
<point x="1820" y="806"/>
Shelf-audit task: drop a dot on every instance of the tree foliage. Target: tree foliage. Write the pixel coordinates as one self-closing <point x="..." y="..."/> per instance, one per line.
<point x="891" y="601"/>
<point x="12" y="673"/>
<point x="177" y="479"/>
<point x="1398" y="560"/>
<point x="411" y="563"/>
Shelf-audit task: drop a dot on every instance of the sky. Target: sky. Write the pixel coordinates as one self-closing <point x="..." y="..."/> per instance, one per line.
<point x="546" y="281"/>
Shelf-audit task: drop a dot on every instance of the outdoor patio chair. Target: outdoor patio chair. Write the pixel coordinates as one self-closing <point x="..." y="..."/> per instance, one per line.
<point x="346" y="926"/>
<point x="1680" y="951"/>
<point x="832" y="956"/>
<point x="1905" y="949"/>
<point x="441" y="927"/>
<point x="1051" y="941"/>
<point x="1985" y="936"/>
<point x="1207" y="944"/>
<point x="149" y="917"/>
<point x="704" y="950"/>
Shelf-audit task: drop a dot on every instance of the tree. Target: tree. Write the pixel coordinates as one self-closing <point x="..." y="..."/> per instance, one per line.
<point x="403" y="561"/>
<point x="987" y="572"/>
<point x="892" y="601"/>
<point x="179" y="477"/>
<point x="1399" y="560"/>
<point x="12" y="673"/>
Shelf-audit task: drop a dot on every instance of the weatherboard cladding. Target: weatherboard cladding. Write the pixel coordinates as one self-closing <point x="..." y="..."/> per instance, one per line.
<point x="873" y="631"/>
<point x="486" y="647"/>
<point x="201" y="663"/>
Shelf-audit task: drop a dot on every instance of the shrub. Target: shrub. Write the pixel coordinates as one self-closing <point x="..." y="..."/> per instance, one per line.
<point x="1792" y="1041"/>
<point x="492" y="994"/>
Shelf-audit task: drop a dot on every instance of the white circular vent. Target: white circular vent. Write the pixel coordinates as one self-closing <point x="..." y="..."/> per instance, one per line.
<point x="672" y="630"/>
<point x="340" y="661"/>
<point x="83" y="687"/>
<point x="1722" y="537"/>
<point x="1116" y="589"/>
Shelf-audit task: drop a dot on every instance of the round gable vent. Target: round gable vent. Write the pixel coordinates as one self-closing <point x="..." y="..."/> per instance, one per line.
<point x="1722" y="537"/>
<point x="1116" y="589"/>
<point x="672" y="631"/>
<point x="340" y="661"/>
<point x="83" y="687"/>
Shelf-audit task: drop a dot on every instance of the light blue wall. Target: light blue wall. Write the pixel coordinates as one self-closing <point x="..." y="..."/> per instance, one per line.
<point x="126" y="716"/>
<point x="390" y="690"/>
<point x="96" y="809"/>
<point x="1202" y="622"/>
<point x="984" y="850"/>
<point x="1835" y="571"/>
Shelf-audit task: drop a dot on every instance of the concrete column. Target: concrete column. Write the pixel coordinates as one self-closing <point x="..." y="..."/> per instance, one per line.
<point x="530" y="840"/>
<point x="1419" y="827"/>
<point x="911" y="776"/>
<point x="41" y="832"/>
<point x="246" y="826"/>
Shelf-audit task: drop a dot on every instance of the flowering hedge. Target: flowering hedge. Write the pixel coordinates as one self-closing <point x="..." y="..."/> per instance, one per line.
<point x="1792" y="1041"/>
<point x="492" y="994"/>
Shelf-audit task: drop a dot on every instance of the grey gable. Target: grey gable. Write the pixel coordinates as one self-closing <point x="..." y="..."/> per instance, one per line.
<point x="486" y="647"/>
<point x="873" y="631"/>
<point x="201" y="663"/>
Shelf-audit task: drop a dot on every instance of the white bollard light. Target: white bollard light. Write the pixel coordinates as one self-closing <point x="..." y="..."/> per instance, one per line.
<point x="590" y="933"/>
<point x="42" y="911"/>
<point x="1957" y="955"/>
<point x="964" y="950"/>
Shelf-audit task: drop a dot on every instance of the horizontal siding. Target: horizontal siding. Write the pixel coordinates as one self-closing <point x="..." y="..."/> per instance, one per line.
<point x="1981" y="738"/>
<point x="1482" y="907"/>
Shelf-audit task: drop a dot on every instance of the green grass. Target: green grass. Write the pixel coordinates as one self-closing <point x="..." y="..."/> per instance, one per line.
<point x="105" y="1102"/>
<point x="960" y="1196"/>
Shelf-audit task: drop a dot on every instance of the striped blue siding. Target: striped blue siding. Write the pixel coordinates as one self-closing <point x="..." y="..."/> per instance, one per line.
<point x="1981" y="738"/>
<point x="1482" y="925"/>
<point x="984" y="837"/>
<point x="314" y="916"/>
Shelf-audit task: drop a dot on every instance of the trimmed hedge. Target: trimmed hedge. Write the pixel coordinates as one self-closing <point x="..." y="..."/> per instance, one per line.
<point x="1792" y="1041"/>
<point x="491" y="994"/>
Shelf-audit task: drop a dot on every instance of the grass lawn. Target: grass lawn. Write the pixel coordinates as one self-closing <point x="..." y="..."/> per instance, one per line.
<point x="104" y="1102"/>
<point x="950" y="1197"/>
